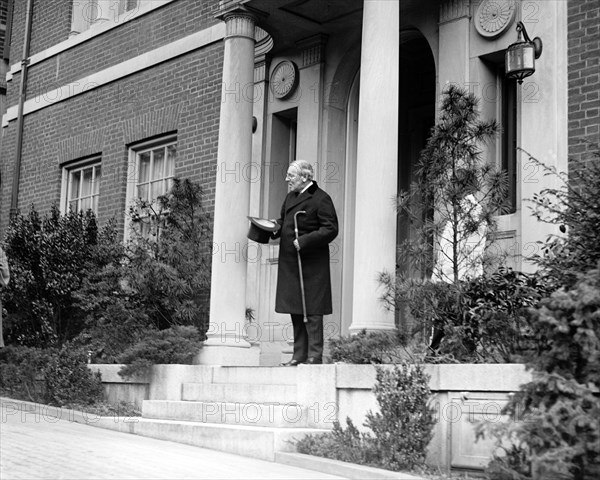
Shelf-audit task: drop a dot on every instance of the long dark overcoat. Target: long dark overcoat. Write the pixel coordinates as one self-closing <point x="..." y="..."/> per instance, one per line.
<point x="316" y="229"/>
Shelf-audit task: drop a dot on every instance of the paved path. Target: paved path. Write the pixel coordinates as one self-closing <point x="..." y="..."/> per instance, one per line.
<point x="34" y="447"/>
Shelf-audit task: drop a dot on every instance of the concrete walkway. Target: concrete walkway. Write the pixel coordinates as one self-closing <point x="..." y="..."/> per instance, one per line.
<point x="36" y="447"/>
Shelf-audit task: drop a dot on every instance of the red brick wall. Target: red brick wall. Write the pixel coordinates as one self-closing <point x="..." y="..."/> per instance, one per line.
<point x="51" y="22"/>
<point x="107" y="112"/>
<point x="164" y="25"/>
<point x="584" y="80"/>
<point x="181" y="95"/>
<point x="3" y="19"/>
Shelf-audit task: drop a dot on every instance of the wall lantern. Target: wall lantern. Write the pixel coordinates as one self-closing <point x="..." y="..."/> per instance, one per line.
<point x="521" y="56"/>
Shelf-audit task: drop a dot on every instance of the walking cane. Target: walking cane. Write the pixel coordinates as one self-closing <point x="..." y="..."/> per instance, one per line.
<point x="300" y="267"/>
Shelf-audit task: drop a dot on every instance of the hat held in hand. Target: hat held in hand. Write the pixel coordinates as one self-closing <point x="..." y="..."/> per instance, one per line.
<point x="261" y="229"/>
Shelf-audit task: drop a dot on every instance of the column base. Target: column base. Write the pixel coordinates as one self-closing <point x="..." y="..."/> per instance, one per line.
<point x="227" y="356"/>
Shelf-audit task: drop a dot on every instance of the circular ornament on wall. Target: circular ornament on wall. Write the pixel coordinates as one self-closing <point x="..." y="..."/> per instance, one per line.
<point x="284" y="79"/>
<point x="493" y="17"/>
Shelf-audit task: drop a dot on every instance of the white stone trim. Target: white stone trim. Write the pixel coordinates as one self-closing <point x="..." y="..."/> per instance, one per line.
<point x="120" y="70"/>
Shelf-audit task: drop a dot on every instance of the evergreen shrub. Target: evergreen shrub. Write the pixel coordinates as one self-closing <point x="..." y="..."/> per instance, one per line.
<point x="69" y="381"/>
<point x="557" y="428"/>
<point x="54" y="377"/>
<point x="175" y="345"/>
<point x="397" y="435"/>
<point x="49" y="257"/>
<point x="367" y="347"/>
<point x="21" y="370"/>
<point x="553" y="431"/>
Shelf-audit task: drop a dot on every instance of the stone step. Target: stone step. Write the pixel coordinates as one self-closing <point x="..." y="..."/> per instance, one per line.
<point x="238" y="393"/>
<point x="287" y="415"/>
<point x="255" y="442"/>
<point x="256" y="375"/>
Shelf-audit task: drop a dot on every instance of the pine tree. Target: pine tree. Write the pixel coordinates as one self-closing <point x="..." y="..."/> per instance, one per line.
<point x="449" y="210"/>
<point x="456" y="193"/>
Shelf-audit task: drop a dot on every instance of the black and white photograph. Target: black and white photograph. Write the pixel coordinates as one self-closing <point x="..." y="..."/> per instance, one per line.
<point x="299" y="239"/>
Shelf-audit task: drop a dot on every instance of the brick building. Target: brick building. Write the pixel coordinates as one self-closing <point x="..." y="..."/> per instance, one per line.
<point x="122" y="95"/>
<point x="584" y="80"/>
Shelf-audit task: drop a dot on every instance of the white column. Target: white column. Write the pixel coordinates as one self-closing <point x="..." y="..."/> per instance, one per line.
<point x="377" y="163"/>
<point x="226" y="344"/>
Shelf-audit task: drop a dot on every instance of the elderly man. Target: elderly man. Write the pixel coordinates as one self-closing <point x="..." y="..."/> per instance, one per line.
<point x="317" y="227"/>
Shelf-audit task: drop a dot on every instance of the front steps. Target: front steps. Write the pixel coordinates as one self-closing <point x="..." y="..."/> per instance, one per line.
<point x="251" y="411"/>
<point x="252" y="414"/>
<point x="255" y="442"/>
<point x="238" y="392"/>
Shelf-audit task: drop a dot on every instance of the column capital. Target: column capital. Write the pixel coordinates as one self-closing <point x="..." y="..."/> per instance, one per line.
<point x="454" y="9"/>
<point x="240" y="20"/>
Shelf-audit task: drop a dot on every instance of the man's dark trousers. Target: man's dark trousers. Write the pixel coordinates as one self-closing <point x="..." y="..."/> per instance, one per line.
<point x="308" y="337"/>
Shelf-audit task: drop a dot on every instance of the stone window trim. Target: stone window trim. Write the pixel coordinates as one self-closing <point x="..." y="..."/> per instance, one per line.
<point x="150" y="173"/>
<point x="98" y="28"/>
<point x="80" y="190"/>
<point x="88" y="13"/>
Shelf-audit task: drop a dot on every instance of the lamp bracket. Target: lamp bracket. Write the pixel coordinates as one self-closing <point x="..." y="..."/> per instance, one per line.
<point x="537" y="41"/>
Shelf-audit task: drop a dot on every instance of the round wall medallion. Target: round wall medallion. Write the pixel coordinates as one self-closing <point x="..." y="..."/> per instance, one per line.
<point x="284" y="79"/>
<point x="493" y="17"/>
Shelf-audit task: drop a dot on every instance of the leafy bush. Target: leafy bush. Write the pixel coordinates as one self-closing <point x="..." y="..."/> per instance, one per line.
<point x="170" y="255"/>
<point x="162" y="280"/>
<point x="402" y="395"/>
<point x="574" y="208"/>
<point x="172" y="345"/>
<point x="69" y="381"/>
<point x="488" y="322"/>
<point x="103" y="409"/>
<point x="399" y="433"/>
<point x="73" y="283"/>
<point x="21" y="372"/>
<point x="49" y="257"/>
<point x="115" y="316"/>
<point x="344" y="444"/>
<point x="49" y="376"/>
<point x="367" y="347"/>
<point x="484" y="320"/>
<point x="559" y="432"/>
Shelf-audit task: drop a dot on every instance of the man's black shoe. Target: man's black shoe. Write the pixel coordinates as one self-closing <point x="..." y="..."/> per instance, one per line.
<point x="314" y="361"/>
<point x="291" y="363"/>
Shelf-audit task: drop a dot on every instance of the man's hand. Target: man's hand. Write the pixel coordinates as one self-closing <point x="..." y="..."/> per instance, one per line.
<point x="297" y="245"/>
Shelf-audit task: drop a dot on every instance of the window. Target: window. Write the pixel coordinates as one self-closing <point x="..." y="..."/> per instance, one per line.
<point x="81" y="186"/>
<point x="499" y="96"/>
<point x="151" y="173"/>
<point x="87" y="12"/>
<point x="154" y="171"/>
<point x="509" y="136"/>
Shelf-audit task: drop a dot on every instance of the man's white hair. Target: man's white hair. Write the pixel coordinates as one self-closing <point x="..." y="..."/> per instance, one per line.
<point x="305" y="169"/>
